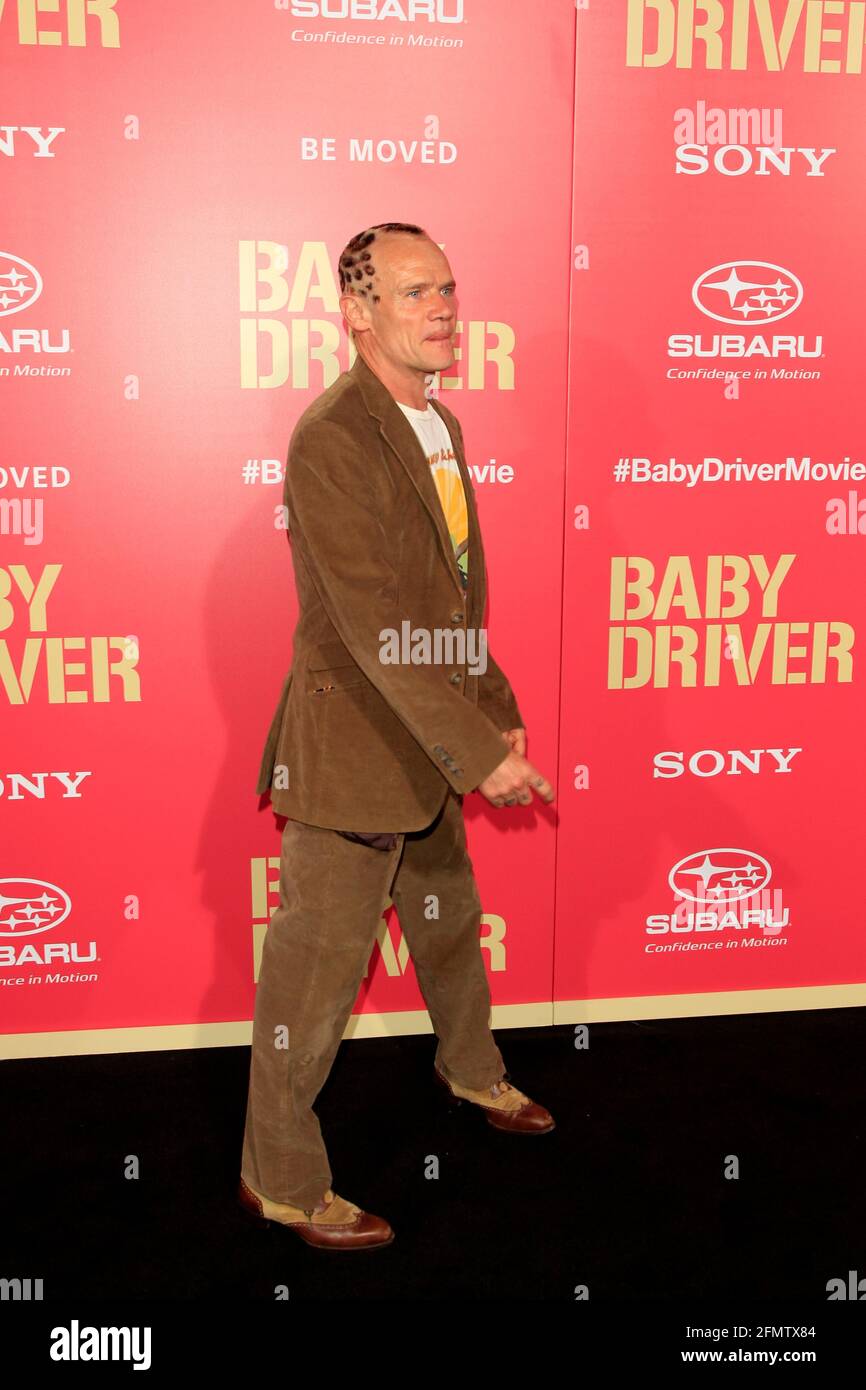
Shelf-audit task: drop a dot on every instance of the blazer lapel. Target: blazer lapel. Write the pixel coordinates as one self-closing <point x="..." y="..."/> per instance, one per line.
<point x="399" y="434"/>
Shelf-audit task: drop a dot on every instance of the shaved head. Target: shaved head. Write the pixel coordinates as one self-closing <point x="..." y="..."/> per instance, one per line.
<point x="357" y="266"/>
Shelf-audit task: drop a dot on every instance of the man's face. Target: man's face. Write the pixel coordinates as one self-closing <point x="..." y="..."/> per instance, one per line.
<point x="413" y="321"/>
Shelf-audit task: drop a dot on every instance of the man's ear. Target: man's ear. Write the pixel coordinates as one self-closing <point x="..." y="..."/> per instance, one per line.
<point x="353" y="311"/>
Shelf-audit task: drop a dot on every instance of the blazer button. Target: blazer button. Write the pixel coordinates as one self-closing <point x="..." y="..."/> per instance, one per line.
<point x="456" y="678"/>
<point x="457" y="617"/>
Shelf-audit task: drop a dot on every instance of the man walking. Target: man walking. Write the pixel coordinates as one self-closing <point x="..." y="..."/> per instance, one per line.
<point x="372" y="749"/>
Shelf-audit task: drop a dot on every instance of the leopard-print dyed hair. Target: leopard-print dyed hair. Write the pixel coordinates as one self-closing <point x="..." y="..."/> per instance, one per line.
<point x="355" y="265"/>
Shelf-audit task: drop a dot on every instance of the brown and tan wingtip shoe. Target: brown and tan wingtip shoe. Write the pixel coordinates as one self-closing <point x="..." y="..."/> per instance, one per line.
<point x="341" y="1226"/>
<point x="505" y="1107"/>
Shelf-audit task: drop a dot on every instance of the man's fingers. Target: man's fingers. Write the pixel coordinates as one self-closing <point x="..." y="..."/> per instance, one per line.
<point x="542" y="788"/>
<point x="538" y="786"/>
<point x="517" y="781"/>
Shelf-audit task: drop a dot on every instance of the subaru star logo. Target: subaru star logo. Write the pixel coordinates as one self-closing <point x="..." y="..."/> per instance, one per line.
<point x="747" y="292"/>
<point x="719" y="875"/>
<point x="20" y="284"/>
<point x="30" y="905"/>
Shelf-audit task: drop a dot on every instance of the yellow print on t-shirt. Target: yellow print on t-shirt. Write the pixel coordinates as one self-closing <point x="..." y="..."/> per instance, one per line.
<point x="449" y="486"/>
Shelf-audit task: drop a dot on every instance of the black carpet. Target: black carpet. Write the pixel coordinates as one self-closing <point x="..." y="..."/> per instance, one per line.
<point x="628" y="1196"/>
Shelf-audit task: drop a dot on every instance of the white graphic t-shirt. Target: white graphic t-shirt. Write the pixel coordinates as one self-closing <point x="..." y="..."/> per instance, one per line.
<point x="435" y="440"/>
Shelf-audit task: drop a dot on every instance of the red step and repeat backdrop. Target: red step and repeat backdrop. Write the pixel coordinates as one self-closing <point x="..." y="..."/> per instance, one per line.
<point x="650" y="210"/>
<point x="712" y="754"/>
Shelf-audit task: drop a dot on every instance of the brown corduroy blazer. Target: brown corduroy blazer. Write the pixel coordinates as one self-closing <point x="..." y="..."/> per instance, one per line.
<point x="355" y="743"/>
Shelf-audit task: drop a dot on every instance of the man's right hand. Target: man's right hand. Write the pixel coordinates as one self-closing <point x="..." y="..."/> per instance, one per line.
<point x="513" y="782"/>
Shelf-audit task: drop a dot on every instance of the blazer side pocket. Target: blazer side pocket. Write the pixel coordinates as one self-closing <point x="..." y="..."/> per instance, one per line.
<point x="331" y="666"/>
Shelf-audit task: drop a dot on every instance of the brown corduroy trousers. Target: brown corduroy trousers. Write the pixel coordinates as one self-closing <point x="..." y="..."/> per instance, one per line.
<point x="316" y="947"/>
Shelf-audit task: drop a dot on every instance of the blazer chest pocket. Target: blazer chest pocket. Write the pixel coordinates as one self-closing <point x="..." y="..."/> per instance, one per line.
<point x="331" y="667"/>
